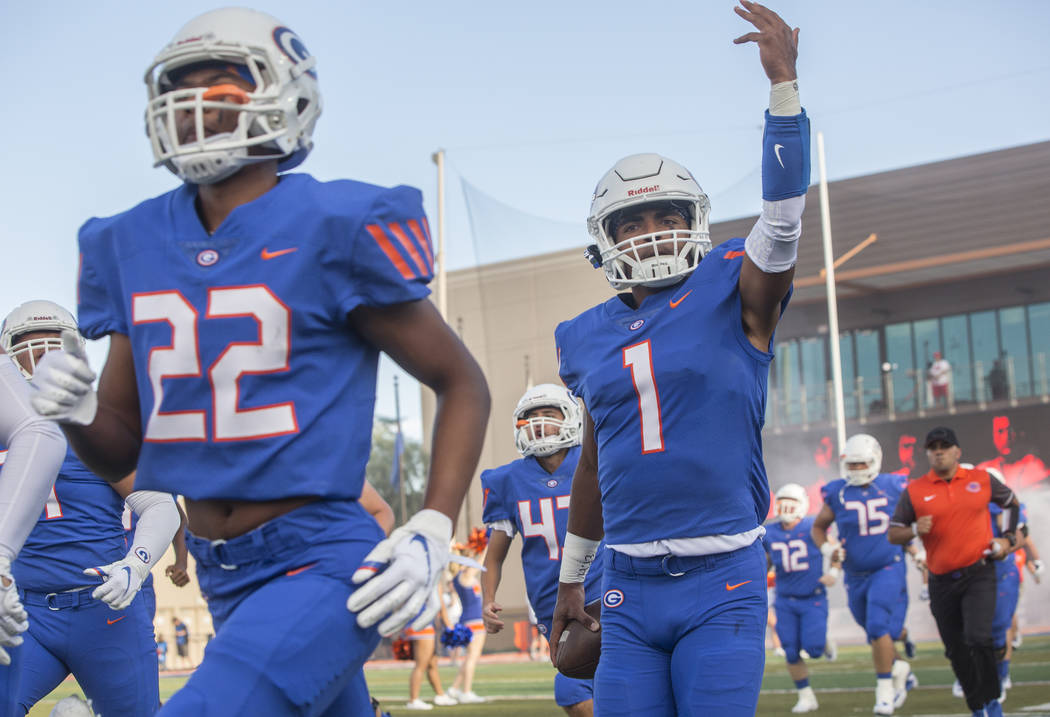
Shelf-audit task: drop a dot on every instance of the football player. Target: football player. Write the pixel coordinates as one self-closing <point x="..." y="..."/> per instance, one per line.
<point x="861" y="505"/>
<point x="35" y="451"/>
<point x="246" y="311"/>
<point x="801" y="596"/>
<point x="1008" y="589"/>
<point x="673" y="375"/>
<point x="113" y="656"/>
<point x="530" y="497"/>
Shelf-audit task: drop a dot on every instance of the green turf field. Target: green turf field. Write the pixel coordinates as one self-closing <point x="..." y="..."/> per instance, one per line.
<point x="844" y="687"/>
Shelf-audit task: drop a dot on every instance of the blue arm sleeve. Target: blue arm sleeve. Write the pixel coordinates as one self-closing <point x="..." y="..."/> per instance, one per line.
<point x="785" y="156"/>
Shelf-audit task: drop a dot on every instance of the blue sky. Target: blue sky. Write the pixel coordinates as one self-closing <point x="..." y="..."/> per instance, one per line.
<point x="533" y="102"/>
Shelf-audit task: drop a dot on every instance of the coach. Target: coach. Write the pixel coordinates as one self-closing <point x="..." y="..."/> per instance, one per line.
<point x="948" y="509"/>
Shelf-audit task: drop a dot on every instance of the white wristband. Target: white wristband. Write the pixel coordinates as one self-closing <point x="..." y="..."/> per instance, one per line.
<point x="835" y="573"/>
<point x="783" y="99"/>
<point x="915" y="529"/>
<point x="576" y="558"/>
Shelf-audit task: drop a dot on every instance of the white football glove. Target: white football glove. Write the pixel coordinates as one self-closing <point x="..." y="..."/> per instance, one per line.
<point x="920" y="558"/>
<point x="13" y="615"/>
<point x="1037" y="570"/>
<point x="62" y="383"/>
<point x="121" y="581"/>
<point x="401" y="574"/>
<point x="924" y="593"/>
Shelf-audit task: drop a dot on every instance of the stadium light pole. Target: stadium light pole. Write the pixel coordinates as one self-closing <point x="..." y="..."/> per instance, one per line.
<point x="833" y="310"/>
<point x="442" y="292"/>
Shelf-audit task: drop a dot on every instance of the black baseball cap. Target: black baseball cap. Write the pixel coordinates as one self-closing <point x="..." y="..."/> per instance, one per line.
<point x="941" y="433"/>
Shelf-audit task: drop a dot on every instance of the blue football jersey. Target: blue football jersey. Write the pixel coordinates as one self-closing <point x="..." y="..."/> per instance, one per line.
<point x="795" y="557"/>
<point x="1008" y="565"/>
<point x="862" y="514"/>
<point x="240" y="338"/>
<point x="537" y="504"/>
<point x="79" y="528"/>
<point x="677" y="393"/>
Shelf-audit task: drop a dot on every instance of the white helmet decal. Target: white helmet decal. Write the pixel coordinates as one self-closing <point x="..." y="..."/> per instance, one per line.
<point x="792" y="503"/>
<point x="658" y="259"/>
<point x="276" y="118"/>
<point x="861" y="448"/>
<point x="31" y="317"/>
<point x="529" y="437"/>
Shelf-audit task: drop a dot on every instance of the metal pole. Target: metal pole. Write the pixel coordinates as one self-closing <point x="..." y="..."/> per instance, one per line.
<point x="833" y="310"/>
<point x="442" y="287"/>
<point x="400" y="459"/>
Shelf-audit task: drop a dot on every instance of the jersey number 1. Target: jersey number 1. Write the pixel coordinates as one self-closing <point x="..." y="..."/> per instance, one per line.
<point x="639" y="358"/>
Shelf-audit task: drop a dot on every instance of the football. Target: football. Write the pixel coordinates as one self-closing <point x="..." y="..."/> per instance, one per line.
<point x="578" y="648"/>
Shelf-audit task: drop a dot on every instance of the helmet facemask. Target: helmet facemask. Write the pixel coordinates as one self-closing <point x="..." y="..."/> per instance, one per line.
<point x="275" y="118"/>
<point x="35" y="317"/>
<point x="530" y="436"/>
<point x="658" y="259"/>
<point x="792" y="503"/>
<point x="861" y="449"/>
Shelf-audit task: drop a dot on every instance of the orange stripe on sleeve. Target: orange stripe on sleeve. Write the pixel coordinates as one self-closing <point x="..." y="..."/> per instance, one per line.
<point x="426" y="231"/>
<point x="733" y="254"/>
<point x="409" y="245"/>
<point x="423" y="237"/>
<point x="391" y="253"/>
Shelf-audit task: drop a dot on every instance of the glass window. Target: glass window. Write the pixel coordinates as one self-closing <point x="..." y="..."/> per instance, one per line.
<point x="957" y="351"/>
<point x="869" y="363"/>
<point x="1039" y="329"/>
<point x="985" y="348"/>
<point x="927" y="343"/>
<point x="1015" y="349"/>
<point x="815" y="378"/>
<point x="900" y="356"/>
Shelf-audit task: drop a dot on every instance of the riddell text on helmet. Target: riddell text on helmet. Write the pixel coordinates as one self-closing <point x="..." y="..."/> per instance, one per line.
<point x="643" y="190"/>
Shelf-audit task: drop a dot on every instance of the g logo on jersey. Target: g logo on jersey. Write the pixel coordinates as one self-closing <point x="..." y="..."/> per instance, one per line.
<point x="207" y="257"/>
<point x="552" y="483"/>
<point x="142" y="554"/>
<point x="292" y="46"/>
<point x="612" y="598"/>
<point x="635" y="325"/>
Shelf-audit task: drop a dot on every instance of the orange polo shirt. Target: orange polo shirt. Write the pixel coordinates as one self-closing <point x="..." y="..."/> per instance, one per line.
<point x="962" y="526"/>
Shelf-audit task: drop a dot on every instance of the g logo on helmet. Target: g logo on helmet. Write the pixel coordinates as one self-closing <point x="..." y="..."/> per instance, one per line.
<point x="292" y="46"/>
<point x="612" y="598"/>
<point x="142" y="554"/>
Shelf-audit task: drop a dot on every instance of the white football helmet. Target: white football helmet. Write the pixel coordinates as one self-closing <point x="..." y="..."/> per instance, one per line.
<point x="792" y="503"/>
<point x="31" y="317"/>
<point x="277" y="117"/>
<point x="861" y="448"/>
<point x="528" y="434"/>
<point x="642" y="179"/>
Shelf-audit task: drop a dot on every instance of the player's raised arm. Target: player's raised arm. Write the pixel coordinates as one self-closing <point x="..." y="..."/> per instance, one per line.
<point x="772" y="245"/>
